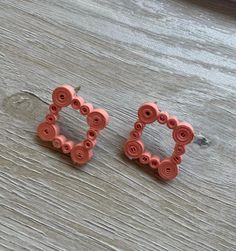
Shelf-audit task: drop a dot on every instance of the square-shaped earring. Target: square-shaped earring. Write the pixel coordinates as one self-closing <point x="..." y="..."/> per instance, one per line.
<point x="48" y="130"/>
<point x="182" y="134"/>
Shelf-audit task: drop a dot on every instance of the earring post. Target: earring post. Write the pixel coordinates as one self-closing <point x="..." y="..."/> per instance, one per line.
<point x="77" y="88"/>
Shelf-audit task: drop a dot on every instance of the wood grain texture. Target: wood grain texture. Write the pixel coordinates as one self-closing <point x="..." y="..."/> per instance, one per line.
<point x="181" y="54"/>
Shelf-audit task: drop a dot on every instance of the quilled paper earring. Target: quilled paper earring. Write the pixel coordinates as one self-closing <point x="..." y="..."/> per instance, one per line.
<point x="182" y="134"/>
<point x="48" y="130"/>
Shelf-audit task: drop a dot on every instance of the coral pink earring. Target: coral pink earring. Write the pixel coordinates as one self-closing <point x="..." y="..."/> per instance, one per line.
<point x="48" y="130"/>
<point x="183" y="134"/>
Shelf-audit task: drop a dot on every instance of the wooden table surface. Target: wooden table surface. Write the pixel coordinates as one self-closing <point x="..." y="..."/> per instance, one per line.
<point x="181" y="54"/>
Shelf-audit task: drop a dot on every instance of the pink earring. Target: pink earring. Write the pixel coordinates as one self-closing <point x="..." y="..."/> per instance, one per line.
<point x="48" y="130"/>
<point x="183" y="134"/>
